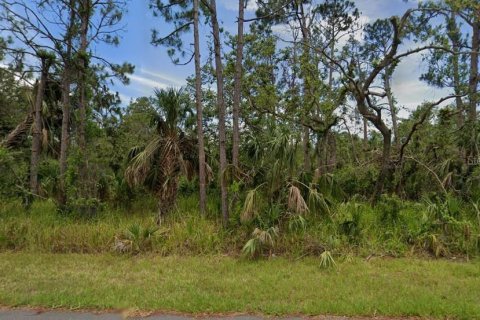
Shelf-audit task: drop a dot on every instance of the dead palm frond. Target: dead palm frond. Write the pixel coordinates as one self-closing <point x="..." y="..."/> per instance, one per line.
<point x="295" y="202"/>
<point x="250" y="209"/>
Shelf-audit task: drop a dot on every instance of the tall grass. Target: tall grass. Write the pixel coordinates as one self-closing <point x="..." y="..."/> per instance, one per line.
<point x="393" y="228"/>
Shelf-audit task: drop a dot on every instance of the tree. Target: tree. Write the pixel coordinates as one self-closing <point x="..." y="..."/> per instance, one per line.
<point x="99" y="22"/>
<point x="85" y="12"/>
<point x="474" y="79"/>
<point x="212" y="6"/>
<point x="183" y="16"/>
<point x="237" y="93"/>
<point x="67" y="78"/>
<point x="339" y="19"/>
<point x="199" y="111"/>
<point x="47" y="60"/>
<point x="158" y="165"/>
<point x="54" y="25"/>
<point x="376" y="45"/>
<point x="295" y="13"/>
<point x="360" y="85"/>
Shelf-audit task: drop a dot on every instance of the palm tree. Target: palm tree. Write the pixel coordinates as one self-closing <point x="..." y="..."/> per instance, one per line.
<point x="170" y="153"/>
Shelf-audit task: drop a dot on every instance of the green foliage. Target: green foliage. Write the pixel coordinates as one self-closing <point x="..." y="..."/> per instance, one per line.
<point x="304" y="168"/>
<point x="390" y="207"/>
<point x="135" y="239"/>
<point x="12" y="171"/>
<point x="353" y="228"/>
<point x="261" y="241"/>
<point x="297" y="223"/>
<point x="349" y="217"/>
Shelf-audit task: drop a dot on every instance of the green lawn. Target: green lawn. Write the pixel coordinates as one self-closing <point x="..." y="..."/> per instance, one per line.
<point x="220" y="284"/>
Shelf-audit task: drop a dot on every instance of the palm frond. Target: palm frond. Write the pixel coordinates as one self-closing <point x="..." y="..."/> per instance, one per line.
<point x="295" y="202"/>
<point x="250" y="209"/>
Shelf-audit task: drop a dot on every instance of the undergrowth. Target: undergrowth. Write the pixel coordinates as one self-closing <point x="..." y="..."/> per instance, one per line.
<point x="438" y="228"/>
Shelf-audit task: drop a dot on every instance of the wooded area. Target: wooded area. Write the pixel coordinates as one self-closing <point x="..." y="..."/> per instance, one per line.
<point x="280" y="143"/>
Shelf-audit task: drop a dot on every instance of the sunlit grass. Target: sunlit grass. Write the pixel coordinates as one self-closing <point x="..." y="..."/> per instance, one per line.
<point x="220" y="284"/>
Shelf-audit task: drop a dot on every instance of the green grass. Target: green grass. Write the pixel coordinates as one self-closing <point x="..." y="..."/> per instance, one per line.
<point x="393" y="287"/>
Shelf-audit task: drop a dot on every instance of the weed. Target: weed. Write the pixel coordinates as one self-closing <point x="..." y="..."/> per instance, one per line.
<point x="327" y="261"/>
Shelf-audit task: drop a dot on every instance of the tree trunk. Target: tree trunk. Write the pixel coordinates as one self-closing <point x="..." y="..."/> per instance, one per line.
<point x="306" y="149"/>
<point x="37" y="127"/>
<point x="376" y="120"/>
<point x="65" y="87"/>
<point x="332" y="151"/>
<point x="64" y="142"/>
<point x="365" y="133"/>
<point x="473" y="83"/>
<point x="167" y="196"/>
<point x="391" y="103"/>
<point x="454" y="35"/>
<point x="318" y="151"/>
<point x="307" y="86"/>
<point x="332" y="52"/>
<point x="237" y="92"/>
<point x="82" y="105"/>
<point x="221" y="111"/>
<point x="386" y="166"/>
<point x="330" y="143"/>
<point x="198" y="104"/>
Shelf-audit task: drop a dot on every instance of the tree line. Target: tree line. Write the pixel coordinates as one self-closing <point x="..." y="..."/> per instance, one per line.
<point x="296" y="110"/>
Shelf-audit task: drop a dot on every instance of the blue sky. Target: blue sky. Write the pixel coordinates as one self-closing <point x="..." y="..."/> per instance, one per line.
<point x="155" y="69"/>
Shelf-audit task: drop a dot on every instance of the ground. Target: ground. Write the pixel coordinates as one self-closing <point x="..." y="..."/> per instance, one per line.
<point x="199" y="285"/>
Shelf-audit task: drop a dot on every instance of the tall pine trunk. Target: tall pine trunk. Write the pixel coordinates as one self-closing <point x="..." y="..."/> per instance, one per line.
<point x="82" y="105"/>
<point x="221" y="111"/>
<point x="237" y="92"/>
<point x="454" y="35"/>
<point x="473" y="83"/>
<point x="65" y="88"/>
<point x="65" y="135"/>
<point x="308" y="98"/>
<point x="198" y="104"/>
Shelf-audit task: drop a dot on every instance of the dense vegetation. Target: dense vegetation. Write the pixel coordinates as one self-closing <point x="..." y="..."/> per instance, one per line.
<point x="300" y="149"/>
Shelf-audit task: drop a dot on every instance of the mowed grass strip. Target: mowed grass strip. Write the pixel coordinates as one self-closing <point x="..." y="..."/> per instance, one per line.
<point x="392" y="287"/>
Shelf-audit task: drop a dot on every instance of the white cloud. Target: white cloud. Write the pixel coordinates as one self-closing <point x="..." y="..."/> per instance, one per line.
<point x="408" y="89"/>
<point x="145" y="81"/>
<point x="163" y="77"/>
<point x="232" y="5"/>
<point x="124" y="98"/>
<point x="283" y="31"/>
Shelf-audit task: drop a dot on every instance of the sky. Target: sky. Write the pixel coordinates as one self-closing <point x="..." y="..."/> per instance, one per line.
<point x="154" y="69"/>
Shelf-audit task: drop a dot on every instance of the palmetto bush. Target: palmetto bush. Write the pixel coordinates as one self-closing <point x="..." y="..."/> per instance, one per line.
<point x="158" y="165"/>
<point x="261" y="241"/>
<point x="135" y="239"/>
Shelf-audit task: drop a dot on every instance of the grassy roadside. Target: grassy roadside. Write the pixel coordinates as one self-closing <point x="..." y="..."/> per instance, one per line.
<point x="393" y="287"/>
